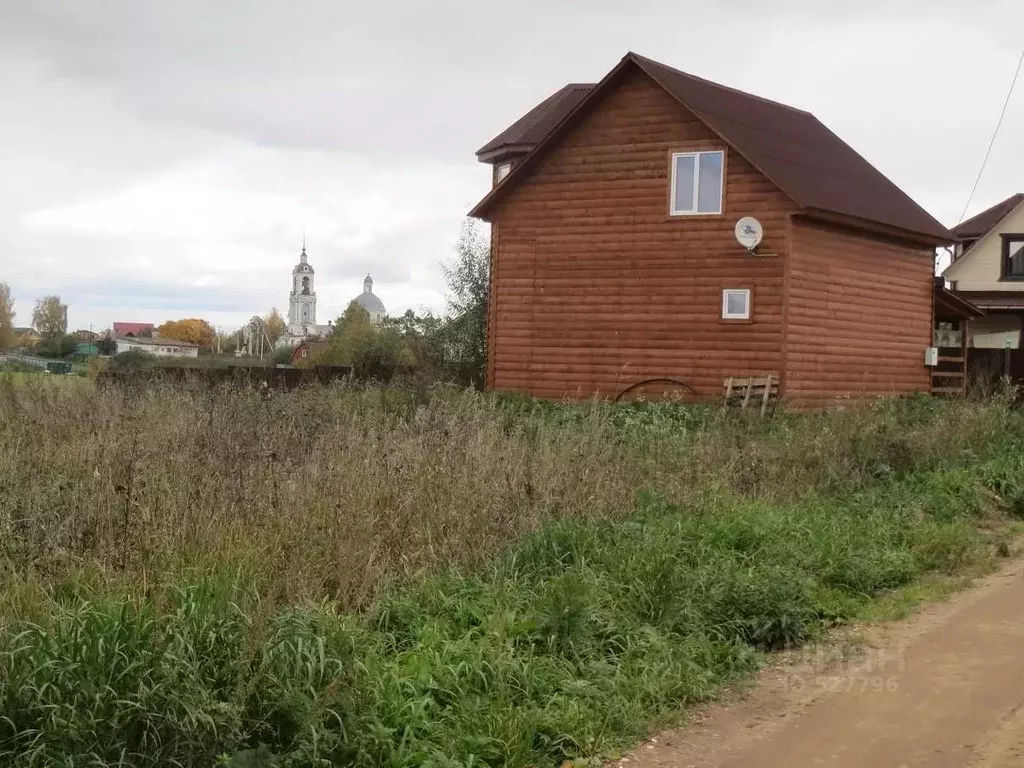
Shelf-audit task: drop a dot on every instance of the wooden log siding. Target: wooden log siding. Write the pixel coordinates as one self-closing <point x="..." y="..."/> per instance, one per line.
<point x="858" y="316"/>
<point x="595" y="287"/>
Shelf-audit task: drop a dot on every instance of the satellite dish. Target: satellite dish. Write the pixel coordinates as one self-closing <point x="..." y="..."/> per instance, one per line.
<point x="749" y="232"/>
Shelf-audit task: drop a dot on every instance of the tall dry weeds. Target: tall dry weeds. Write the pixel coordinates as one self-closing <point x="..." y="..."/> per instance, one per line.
<point x="335" y="492"/>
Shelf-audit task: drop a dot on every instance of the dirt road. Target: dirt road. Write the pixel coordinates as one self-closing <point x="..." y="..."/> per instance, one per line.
<point x="944" y="688"/>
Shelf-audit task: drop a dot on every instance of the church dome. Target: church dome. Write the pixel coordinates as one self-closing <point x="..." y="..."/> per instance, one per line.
<point x="369" y="301"/>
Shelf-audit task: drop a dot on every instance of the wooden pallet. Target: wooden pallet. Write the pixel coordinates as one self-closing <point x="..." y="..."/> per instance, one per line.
<point x="743" y="391"/>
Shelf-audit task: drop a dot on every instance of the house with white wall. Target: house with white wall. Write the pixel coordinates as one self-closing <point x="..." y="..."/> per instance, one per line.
<point x="158" y="346"/>
<point x="988" y="270"/>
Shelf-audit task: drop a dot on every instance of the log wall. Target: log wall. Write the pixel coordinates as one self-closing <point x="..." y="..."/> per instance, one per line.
<point x="858" y="316"/>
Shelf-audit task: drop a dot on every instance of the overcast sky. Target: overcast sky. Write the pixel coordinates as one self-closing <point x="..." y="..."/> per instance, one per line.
<point x="162" y="159"/>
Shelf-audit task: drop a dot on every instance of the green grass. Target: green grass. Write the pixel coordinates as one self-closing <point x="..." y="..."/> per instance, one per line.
<point x="41" y="379"/>
<point x="574" y="642"/>
<point x="900" y="603"/>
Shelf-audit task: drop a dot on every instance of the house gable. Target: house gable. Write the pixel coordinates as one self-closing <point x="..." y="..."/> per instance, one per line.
<point x="792" y="148"/>
<point x="629" y="69"/>
<point x="979" y="268"/>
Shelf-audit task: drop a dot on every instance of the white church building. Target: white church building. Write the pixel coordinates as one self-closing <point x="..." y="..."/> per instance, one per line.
<point x="302" y="305"/>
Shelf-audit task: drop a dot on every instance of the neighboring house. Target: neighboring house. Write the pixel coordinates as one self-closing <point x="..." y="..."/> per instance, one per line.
<point x="306" y="350"/>
<point x="26" y="335"/>
<point x="158" y="346"/>
<point x="988" y="270"/>
<point x="133" y="330"/>
<point x="83" y="335"/>
<point x="614" y="260"/>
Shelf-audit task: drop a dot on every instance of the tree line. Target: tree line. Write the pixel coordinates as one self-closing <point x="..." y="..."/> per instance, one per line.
<point x="451" y="345"/>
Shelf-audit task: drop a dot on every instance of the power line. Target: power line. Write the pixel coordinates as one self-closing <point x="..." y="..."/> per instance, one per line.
<point x="995" y="133"/>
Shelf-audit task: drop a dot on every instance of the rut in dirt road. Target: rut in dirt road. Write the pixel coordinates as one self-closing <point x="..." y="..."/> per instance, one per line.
<point x="942" y="689"/>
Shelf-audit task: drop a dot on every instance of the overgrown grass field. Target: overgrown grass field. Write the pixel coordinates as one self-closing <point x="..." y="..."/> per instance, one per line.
<point x="385" y="577"/>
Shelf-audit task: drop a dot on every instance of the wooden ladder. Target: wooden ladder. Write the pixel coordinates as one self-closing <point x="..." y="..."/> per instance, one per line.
<point x="950" y="382"/>
<point x="743" y="391"/>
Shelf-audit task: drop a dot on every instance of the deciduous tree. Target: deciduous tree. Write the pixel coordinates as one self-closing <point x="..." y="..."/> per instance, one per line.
<point x="372" y="351"/>
<point x="7" y="339"/>
<point x="275" y="325"/>
<point x="192" y="329"/>
<point x="420" y="342"/>
<point x="228" y="343"/>
<point x="61" y="345"/>
<point x="350" y="333"/>
<point x="468" y="278"/>
<point x="50" y="317"/>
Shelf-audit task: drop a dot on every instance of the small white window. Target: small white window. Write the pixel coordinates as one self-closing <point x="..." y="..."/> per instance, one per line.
<point x="503" y="171"/>
<point x="736" y="304"/>
<point x="697" y="183"/>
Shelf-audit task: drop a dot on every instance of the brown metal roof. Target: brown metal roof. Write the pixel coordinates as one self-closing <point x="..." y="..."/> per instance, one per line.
<point x="992" y="300"/>
<point x="976" y="226"/>
<point x="797" y="152"/>
<point x="529" y="130"/>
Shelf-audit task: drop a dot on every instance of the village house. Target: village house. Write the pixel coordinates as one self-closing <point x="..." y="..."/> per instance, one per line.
<point x="156" y="345"/>
<point x="615" y="260"/>
<point x="306" y="351"/>
<point x="26" y="335"/>
<point x="988" y="270"/>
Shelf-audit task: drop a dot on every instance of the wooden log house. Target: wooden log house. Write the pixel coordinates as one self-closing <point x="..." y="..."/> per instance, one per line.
<point x="614" y="260"/>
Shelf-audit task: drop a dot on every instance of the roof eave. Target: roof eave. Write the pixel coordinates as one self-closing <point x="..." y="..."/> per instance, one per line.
<point x="502" y="152"/>
<point x="957" y="305"/>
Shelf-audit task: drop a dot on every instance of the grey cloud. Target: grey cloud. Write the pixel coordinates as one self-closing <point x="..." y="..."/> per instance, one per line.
<point x="379" y="78"/>
<point x="358" y="122"/>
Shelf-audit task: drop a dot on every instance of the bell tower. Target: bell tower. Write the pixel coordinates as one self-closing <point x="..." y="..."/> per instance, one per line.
<point x="302" y="299"/>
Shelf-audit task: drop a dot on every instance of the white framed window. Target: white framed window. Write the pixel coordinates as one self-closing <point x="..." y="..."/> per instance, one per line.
<point x="697" y="181"/>
<point x="736" y="304"/>
<point x="502" y="171"/>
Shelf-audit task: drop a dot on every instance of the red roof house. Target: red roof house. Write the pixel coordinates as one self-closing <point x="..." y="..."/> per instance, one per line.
<point x="306" y="351"/>
<point x="133" y="329"/>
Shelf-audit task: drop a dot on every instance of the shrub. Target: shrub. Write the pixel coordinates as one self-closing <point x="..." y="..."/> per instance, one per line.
<point x="130" y="360"/>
